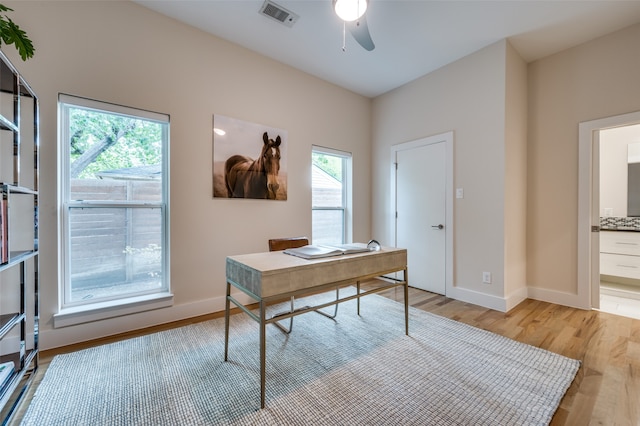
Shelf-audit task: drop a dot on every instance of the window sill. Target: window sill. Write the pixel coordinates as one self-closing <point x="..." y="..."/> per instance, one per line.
<point x="111" y="309"/>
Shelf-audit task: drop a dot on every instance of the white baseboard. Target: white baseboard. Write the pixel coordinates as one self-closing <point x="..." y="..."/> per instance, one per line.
<point x="515" y="298"/>
<point x="620" y="292"/>
<point x="477" y="298"/>
<point x="556" y="297"/>
<point x="54" y="338"/>
<point x="503" y="304"/>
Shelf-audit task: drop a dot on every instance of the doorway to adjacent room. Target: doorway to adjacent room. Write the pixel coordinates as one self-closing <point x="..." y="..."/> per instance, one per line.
<point x="603" y="209"/>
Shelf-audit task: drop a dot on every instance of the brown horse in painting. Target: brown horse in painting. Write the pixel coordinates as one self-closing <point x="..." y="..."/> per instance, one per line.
<point x="247" y="178"/>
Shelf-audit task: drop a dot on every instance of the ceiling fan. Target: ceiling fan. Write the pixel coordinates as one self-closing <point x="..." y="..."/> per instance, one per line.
<point x="352" y="12"/>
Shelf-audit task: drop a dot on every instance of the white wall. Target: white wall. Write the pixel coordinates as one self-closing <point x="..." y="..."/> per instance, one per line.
<point x="119" y="52"/>
<point x="468" y="97"/>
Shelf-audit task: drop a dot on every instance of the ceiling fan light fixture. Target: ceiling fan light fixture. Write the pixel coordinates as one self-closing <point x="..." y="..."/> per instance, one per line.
<point x="350" y="10"/>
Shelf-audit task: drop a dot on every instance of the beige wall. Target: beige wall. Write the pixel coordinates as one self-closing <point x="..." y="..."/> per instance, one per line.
<point x="467" y="97"/>
<point x="515" y="182"/>
<point x="531" y="244"/>
<point x="594" y="80"/>
<point x="122" y="53"/>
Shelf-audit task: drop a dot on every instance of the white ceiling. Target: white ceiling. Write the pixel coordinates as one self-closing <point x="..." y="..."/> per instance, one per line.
<point x="412" y="38"/>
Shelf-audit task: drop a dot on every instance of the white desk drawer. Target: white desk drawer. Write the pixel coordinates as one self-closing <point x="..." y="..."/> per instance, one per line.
<point x="620" y="242"/>
<point x="620" y="265"/>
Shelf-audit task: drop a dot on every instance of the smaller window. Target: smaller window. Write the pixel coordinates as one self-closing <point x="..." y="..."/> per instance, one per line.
<point x="331" y="196"/>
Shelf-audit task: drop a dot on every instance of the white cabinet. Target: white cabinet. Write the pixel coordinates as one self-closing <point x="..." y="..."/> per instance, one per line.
<point x="620" y="254"/>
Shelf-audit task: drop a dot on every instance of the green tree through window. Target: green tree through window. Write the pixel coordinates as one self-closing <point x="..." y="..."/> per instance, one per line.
<point x="101" y="142"/>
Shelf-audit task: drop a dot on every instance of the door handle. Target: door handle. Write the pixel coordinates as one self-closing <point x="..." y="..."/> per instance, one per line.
<point x="440" y="226"/>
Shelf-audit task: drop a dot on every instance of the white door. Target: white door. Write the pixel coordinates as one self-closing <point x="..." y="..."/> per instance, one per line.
<point x="421" y="214"/>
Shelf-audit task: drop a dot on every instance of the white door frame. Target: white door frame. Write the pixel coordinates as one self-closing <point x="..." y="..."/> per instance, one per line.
<point x="589" y="204"/>
<point x="447" y="138"/>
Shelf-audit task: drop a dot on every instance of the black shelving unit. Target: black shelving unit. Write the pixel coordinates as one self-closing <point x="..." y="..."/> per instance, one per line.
<point x="19" y="174"/>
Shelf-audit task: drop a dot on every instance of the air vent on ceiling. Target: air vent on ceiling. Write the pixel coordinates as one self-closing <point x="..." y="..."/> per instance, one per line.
<point x="278" y="13"/>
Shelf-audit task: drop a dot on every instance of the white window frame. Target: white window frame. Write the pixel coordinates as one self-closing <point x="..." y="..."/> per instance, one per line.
<point x="347" y="202"/>
<point x="71" y="313"/>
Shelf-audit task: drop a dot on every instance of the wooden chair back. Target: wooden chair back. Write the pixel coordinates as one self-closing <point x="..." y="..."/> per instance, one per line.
<point x="278" y="244"/>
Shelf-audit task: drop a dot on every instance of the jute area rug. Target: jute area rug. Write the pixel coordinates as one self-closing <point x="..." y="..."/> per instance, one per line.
<point x="354" y="371"/>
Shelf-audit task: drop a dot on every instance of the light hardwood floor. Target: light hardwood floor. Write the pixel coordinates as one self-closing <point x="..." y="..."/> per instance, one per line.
<point x="606" y="390"/>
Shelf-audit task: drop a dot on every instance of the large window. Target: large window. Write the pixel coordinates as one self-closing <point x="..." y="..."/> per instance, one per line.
<point x="115" y="198"/>
<point x="331" y="196"/>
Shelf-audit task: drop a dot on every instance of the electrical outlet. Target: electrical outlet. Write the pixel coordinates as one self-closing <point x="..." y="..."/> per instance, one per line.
<point x="486" y="277"/>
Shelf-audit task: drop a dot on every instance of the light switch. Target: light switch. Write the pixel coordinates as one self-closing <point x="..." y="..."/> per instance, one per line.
<point x="459" y="193"/>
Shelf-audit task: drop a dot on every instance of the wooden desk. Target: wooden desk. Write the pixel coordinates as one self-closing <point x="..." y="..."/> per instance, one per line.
<point x="274" y="276"/>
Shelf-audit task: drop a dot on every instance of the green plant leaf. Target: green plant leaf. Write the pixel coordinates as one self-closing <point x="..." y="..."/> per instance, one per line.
<point x="10" y="33"/>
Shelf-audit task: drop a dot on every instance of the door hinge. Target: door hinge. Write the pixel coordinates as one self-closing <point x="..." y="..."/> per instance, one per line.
<point x="595" y="228"/>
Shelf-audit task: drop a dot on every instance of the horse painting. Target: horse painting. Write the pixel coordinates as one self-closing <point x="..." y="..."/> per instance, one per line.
<point x="247" y="178"/>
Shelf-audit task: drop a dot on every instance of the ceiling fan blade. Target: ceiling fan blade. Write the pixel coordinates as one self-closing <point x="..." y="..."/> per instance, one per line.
<point x="360" y="31"/>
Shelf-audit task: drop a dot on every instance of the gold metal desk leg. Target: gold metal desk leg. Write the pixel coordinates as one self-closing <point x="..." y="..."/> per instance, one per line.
<point x="226" y="323"/>
<point x="406" y="302"/>
<point x="263" y="349"/>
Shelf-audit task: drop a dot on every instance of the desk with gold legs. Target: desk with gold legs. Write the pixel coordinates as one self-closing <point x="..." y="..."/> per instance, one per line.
<point x="272" y="277"/>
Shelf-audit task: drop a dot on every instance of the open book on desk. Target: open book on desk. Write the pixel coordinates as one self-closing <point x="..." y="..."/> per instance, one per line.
<point x="315" y="251"/>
